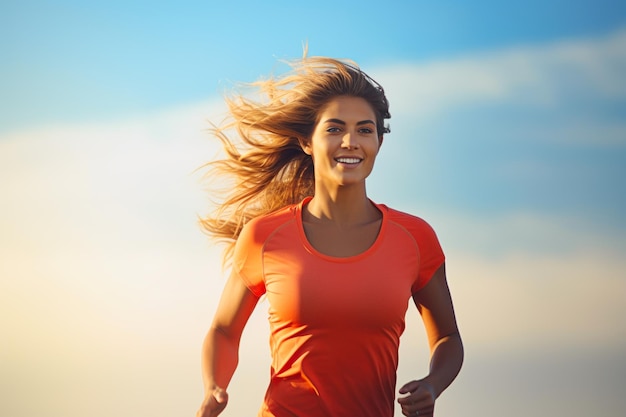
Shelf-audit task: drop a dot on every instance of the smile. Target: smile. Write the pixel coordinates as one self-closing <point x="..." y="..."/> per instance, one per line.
<point x="348" y="160"/>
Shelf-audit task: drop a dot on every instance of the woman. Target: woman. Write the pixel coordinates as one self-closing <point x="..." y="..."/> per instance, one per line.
<point x="337" y="269"/>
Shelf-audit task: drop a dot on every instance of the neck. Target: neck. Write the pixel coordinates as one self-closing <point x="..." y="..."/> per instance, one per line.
<point x="344" y="206"/>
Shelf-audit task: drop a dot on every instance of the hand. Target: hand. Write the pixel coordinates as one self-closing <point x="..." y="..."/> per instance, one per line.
<point x="214" y="403"/>
<point x="420" y="400"/>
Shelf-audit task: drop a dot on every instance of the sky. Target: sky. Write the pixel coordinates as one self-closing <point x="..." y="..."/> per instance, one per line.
<point x="508" y="135"/>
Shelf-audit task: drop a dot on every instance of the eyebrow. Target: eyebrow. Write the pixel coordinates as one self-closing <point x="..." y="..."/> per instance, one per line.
<point x="341" y="122"/>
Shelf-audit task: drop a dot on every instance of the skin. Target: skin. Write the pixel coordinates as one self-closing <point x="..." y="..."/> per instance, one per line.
<point x="339" y="221"/>
<point x="435" y="306"/>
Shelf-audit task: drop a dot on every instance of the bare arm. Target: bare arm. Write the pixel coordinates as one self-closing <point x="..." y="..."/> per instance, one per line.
<point x="220" y="351"/>
<point x="435" y="306"/>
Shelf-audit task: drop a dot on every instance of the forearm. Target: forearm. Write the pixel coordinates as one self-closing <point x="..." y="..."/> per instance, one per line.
<point x="220" y="356"/>
<point x="445" y="363"/>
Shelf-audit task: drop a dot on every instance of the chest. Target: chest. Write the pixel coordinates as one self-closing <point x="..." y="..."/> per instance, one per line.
<point x="367" y="291"/>
<point x="342" y="242"/>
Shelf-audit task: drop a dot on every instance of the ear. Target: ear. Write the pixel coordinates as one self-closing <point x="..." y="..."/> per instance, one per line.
<point x="305" y="144"/>
<point x="380" y="141"/>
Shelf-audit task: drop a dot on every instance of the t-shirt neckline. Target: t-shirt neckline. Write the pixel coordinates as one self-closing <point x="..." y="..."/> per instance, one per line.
<point x="305" y="241"/>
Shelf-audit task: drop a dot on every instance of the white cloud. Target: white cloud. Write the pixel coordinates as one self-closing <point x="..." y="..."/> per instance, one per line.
<point x="105" y="276"/>
<point x="539" y="303"/>
<point x="99" y="225"/>
<point x="544" y="77"/>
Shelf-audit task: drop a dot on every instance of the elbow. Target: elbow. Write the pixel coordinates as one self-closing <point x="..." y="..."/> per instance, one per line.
<point x="222" y="334"/>
<point x="450" y="345"/>
<point x="457" y="347"/>
<point x="453" y="338"/>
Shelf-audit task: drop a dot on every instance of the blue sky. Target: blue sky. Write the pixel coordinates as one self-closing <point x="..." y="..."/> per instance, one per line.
<point x="83" y="62"/>
<point x="508" y="134"/>
<point x="76" y="60"/>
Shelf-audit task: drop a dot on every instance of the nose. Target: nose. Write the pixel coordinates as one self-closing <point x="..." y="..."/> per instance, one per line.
<point x="349" y="141"/>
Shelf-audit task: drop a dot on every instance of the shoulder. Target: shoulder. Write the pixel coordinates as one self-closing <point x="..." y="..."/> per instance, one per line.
<point x="259" y="228"/>
<point x="423" y="236"/>
<point x="249" y="248"/>
<point x="413" y="224"/>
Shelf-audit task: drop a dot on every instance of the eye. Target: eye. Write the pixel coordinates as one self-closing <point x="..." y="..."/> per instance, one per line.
<point x="366" y="130"/>
<point x="333" y="129"/>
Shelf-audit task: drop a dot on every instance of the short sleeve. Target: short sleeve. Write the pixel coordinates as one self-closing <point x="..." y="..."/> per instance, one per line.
<point x="431" y="255"/>
<point x="248" y="257"/>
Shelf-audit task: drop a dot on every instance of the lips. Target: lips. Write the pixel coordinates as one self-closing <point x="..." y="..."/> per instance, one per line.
<point x="348" y="160"/>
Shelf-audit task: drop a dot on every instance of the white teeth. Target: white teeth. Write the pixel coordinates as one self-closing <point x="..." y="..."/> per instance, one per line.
<point x="348" y="160"/>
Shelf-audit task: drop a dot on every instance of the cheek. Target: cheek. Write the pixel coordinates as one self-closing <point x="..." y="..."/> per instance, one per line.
<point x="375" y="148"/>
<point x="319" y="147"/>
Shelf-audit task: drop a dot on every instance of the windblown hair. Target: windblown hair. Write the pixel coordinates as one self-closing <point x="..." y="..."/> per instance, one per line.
<point x="266" y="165"/>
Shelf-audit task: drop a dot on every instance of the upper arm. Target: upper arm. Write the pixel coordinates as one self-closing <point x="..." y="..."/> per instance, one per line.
<point x="434" y="303"/>
<point x="235" y="307"/>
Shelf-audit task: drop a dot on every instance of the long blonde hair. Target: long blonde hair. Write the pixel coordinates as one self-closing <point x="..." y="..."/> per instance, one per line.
<point x="266" y="165"/>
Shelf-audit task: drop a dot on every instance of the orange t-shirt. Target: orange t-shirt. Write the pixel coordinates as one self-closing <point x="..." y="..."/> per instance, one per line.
<point x="335" y="323"/>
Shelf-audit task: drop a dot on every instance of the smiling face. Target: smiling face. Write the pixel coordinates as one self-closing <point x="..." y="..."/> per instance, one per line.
<point x="344" y="143"/>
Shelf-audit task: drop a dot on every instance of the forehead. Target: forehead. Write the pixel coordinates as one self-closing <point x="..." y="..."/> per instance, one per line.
<point x="347" y="107"/>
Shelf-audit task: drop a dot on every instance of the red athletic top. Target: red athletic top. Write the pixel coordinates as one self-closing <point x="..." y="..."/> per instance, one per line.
<point x="335" y="322"/>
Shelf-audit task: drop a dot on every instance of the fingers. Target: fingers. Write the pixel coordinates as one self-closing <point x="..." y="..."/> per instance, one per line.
<point x="410" y="387"/>
<point x="419" y="401"/>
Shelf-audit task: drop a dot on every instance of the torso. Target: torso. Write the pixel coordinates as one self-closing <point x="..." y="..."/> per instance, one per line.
<point x="336" y="306"/>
